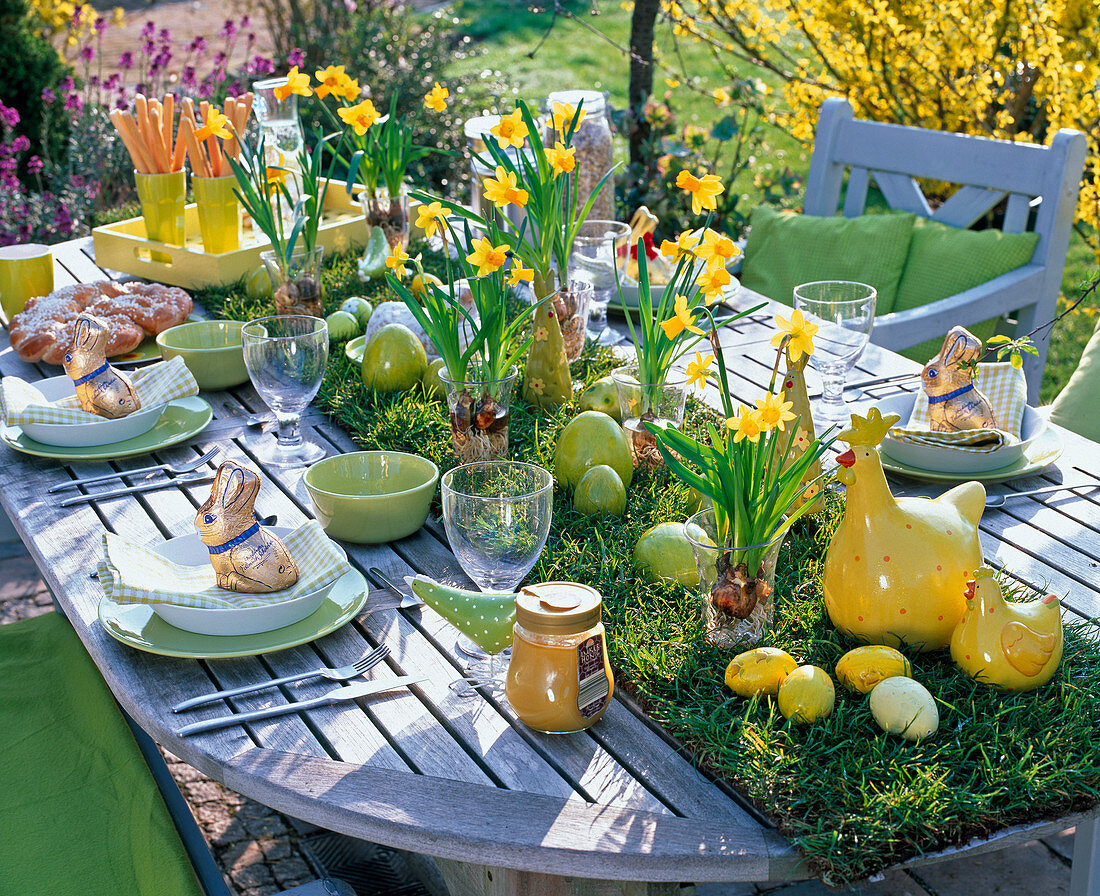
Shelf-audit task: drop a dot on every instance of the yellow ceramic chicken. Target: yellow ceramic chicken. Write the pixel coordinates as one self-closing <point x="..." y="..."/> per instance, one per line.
<point x="1015" y="646"/>
<point x="896" y="569"/>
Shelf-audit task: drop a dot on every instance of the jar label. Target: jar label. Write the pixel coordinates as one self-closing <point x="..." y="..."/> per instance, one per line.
<point x="592" y="677"/>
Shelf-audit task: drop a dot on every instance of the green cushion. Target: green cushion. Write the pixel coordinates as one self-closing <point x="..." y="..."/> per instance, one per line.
<point x="785" y="249"/>
<point x="81" y="813"/>
<point x="944" y="261"/>
<point x="1075" y="406"/>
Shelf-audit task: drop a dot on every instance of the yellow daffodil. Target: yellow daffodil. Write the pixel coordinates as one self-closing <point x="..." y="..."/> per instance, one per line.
<point x="487" y="257"/>
<point x="217" y="125"/>
<point x="348" y="90"/>
<point x="519" y="274"/>
<point x="716" y="250"/>
<point x="276" y="175"/>
<point x="430" y="218"/>
<point x="436" y="98"/>
<point x="562" y="160"/>
<point x="396" y="261"/>
<point x="562" y="114"/>
<point x="800" y="331"/>
<point x="697" y="370"/>
<point x="503" y="190"/>
<point x="746" y="425"/>
<point x="296" y="82"/>
<point x="330" y="80"/>
<point x="681" y="320"/>
<point x="685" y="244"/>
<point x="712" y="281"/>
<point x="774" y="412"/>
<point x="361" y="116"/>
<point x="511" y="130"/>
<point x="704" y="190"/>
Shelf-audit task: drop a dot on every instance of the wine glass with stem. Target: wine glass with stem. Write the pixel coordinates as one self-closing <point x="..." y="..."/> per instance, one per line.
<point x="844" y="312"/>
<point x="286" y="356"/>
<point x="497" y="516"/>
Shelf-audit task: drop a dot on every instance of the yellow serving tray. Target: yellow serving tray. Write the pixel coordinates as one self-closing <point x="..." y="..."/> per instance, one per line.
<point x="123" y="246"/>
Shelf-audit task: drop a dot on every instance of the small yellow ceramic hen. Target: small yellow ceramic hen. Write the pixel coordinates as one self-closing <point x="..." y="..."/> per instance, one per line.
<point x="1015" y="646"/>
<point x="896" y="569"/>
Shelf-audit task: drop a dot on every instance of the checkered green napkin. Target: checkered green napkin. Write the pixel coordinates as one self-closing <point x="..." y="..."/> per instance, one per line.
<point x="1006" y="389"/>
<point x="130" y="574"/>
<point x="157" y="384"/>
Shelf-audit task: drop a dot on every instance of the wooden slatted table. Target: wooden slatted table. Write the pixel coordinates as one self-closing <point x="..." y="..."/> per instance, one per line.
<point x="502" y="808"/>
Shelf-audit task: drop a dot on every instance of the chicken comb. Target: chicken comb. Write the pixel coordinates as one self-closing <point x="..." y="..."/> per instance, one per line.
<point x="869" y="430"/>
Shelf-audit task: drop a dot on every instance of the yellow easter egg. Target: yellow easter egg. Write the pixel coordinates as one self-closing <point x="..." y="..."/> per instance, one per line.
<point x="807" y="694"/>
<point x="759" y="671"/>
<point x="861" y="669"/>
<point x="904" y="706"/>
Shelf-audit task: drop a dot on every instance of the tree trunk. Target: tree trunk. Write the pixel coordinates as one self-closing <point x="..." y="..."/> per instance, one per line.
<point x="642" y="23"/>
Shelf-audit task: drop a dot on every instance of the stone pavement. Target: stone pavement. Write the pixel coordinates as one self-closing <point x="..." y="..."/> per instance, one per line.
<point x="261" y="852"/>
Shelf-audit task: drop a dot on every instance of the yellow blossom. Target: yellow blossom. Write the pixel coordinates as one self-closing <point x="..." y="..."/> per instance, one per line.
<point x="503" y="190"/>
<point x="721" y="97"/>
<point x="672" y="83"/>
<point x="275" y="175"/>
<point x="562" y="114"/>
<point x="348" y="90"/>
<point x="217" y="125"/>
<point x="746" y="425"/>
<point x="561" y="160"/>
<point x="430" y="218"/>
<point x="331" y="80"/>
<point x="704" y="190"/>
<point x="361" y="116"/>
<point x="396" y="261"/>
<point x="697" y="370"/>
<point x="774" y="412"/>
<point x="681" y="320"/>
<point x="685" y="244"/>
<point x="800" y="331"/>
<point x="511" y="130"/>
<point x="296" y="82"/>
<point x="487" y="257"/>
<point x="436" y="98"/>
<point x="717" y="250"/>
<point x="519" y="274"/>
<point x="712" y="281"/>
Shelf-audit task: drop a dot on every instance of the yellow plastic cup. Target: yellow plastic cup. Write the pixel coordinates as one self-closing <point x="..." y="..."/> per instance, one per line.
<point x="25" y="271"/>
<point x="162" y="199"/>
<point x="219" y="213"/>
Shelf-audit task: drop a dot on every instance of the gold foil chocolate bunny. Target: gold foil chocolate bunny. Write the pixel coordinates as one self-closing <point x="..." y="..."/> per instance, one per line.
<point x="954" y="402"/>
<point x="246" y="557"/>
<point x="100" y="388"/>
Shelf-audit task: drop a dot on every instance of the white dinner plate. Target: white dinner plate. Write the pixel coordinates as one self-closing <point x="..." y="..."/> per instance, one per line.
<point x="93" y="432"/>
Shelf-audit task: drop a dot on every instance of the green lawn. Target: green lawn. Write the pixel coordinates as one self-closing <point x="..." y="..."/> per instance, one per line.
<point x="574" y="56"/>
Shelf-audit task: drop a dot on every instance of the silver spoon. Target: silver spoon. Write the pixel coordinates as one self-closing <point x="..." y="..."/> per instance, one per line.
<point x="999" y="500"/>
<point x="379" y="578"/>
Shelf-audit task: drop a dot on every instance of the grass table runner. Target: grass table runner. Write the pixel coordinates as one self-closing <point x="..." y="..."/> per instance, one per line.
<point x="852" y="798"/>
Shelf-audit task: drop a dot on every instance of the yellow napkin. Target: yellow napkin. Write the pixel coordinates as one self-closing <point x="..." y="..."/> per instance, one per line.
<point x="1006" y="389"/>
<point x="157" y="384"/>
<point x="130" y="573"/>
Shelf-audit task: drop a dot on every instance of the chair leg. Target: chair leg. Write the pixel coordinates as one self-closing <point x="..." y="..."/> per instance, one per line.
<point x="1085" y="876"/>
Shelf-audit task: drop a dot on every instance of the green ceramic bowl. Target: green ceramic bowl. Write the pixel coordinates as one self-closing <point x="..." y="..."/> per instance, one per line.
<point x="371" y="497"/>
<point x="211" y="349"/>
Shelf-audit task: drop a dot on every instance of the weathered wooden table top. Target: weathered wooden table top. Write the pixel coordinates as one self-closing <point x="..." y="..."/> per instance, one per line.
<point x="428" y="771"/>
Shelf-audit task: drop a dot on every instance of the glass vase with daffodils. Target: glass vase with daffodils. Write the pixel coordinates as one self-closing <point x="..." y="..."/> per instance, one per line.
<point x="754" y="471"/>
<point x="467" y="321"/>
<point x="540" y="181"/>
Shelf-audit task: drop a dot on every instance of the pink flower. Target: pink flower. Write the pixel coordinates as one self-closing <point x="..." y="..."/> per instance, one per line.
<point x="296" y="58"/>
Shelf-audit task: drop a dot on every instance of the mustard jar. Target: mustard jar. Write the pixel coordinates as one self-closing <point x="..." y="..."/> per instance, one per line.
<point x="559" y="678"/>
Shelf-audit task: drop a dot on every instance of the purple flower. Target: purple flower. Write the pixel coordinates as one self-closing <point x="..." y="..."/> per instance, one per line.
<point x="229" y="29"/>
<point x="206" y="90"/>
<point x="198" y="45"/>
<point x="165" y="36"/>
<point x="260" y="65"/>
<point x="100" y="25"/>
<point x="187" y="78"/>
<point x="114" y="82"/>
<point x="48" y="96"/>
<point x="149" y="48"/>
<point x="87" y="53"/>
<point x="20" y="144"/>
<point x="245" y="21"/>
<point x="149" y="29"/>
<point x="73" y="102"/>
<point x="296" y="57"/>
<point x="8" y="116"/>
<point x="219" y="60"/>
<point x="126" y="61"/>
<point x="93" y="82"/>
<point x="35" y="165"/>
<point x="67" y="83"/>
<point x="251" y="38"/>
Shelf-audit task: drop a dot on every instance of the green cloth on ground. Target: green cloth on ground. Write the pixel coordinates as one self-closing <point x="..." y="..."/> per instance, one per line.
<point x="785" y="249"/>
<point x="82" y="815"/>
<point x="944" y="261"/>
<point x="1075" y="406"/>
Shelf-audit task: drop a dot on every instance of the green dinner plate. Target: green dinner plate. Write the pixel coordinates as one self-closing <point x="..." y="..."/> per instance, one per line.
<point x="138" y="626"/>
<point x="182" y="419"/>
<point x="1040" y="454"/>
<point x="355" y="348"/>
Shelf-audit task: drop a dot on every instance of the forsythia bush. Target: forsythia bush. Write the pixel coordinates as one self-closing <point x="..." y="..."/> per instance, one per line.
<point x="1018" y="70"/>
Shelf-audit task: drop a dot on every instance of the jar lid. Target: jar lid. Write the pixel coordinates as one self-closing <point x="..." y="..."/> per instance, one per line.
<point x="474" y="128"/>
<point x="558" y="607"/>
<point x="593" y="100"/>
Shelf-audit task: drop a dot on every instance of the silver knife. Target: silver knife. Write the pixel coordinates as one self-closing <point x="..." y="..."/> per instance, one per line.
<point x="137" y="489"/>
<point x="336" y="695"/>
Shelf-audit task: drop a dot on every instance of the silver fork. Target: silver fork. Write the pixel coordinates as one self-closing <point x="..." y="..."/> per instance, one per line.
<point x="340" y="673"/>
<point x="173" y="469"/>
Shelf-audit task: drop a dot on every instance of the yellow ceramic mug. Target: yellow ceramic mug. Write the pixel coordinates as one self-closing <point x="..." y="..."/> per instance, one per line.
<point x="219" y="213"/>
<point x="162" y="199"/>
<point x="25" y="271"/>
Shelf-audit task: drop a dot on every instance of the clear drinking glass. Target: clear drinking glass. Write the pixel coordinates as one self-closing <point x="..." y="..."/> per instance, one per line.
<point x="593" y="259"/>
<point x="844" y="312"/>
<point x="497" y="517"/>
<point x="286" y="357"/>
